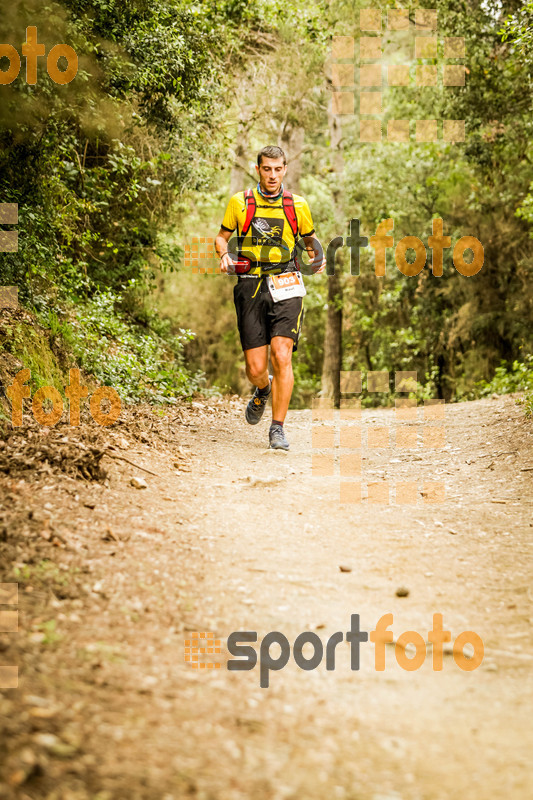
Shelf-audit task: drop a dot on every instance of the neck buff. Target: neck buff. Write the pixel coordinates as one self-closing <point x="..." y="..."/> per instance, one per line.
<point x="269" y="196"/>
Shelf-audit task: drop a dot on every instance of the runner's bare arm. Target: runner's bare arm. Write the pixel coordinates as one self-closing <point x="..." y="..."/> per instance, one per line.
<point x="221" y="246"/>
<point x="315" y="253"/>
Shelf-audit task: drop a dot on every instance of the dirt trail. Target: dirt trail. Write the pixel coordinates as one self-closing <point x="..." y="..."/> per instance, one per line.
<point x="237" y="538"/>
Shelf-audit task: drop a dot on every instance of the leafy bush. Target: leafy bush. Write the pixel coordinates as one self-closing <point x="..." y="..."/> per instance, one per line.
<point x="142" y="362"/>
<point x="516" y="378"/>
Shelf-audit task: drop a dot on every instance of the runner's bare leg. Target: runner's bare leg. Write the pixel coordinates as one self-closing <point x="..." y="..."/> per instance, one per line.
<point x="283" y="380"/>
<point x="256" y="359"/>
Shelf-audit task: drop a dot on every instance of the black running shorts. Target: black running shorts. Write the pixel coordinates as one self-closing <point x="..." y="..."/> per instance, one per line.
<point x="259" y="318"/>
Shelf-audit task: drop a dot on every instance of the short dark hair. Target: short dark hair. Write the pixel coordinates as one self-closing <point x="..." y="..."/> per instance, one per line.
<point x="271" y="151"/>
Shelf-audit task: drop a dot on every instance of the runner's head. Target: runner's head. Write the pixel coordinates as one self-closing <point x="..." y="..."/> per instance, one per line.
<point x="271" y="168"/>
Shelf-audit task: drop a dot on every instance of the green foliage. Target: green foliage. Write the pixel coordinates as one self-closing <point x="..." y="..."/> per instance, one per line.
<point x="141" y="364"/>
<point x="114" y="172"/>
<point x="518" y="30"/>
<point x="33" y="348"/>
<point x="528" y="404"/>
<point x="49" y="632"/>
<point x="517" y="377"/>
<point x="452" y="330"/>
<point x="96" y="166"/>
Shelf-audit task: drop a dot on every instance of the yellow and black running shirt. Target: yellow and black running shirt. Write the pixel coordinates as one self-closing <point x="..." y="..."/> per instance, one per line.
<point x="269" y="239"/>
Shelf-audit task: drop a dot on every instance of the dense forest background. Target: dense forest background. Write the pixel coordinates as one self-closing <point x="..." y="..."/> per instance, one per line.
<point x="117" y="171"/>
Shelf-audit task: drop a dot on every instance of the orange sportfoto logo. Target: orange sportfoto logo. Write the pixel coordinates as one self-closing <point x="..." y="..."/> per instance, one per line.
<point x="31" y="50"/>
<point x="202" y="643"/>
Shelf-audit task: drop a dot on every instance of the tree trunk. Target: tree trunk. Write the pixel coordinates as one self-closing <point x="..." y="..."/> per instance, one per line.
<point x="331" y="368"/>
<point x="292" y="143"/>
<point x="240" y="168"/>
<point x="239" y="173"/>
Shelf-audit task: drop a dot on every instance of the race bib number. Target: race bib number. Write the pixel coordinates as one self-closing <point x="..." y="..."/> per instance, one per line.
<point x="288" y="284"/>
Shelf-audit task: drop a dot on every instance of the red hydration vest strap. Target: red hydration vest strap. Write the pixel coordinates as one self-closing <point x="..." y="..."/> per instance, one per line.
<point x="251" y="207"/>
<point x="288" y="209"/>
<point x="243" y="265"/>
<point x="290" y="212"/>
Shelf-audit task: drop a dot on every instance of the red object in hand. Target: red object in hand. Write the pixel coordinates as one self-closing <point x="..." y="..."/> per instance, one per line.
<point x="241" y="265"/>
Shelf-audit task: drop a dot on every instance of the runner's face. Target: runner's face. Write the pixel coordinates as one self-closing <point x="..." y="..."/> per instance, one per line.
<point x="271" y="174"/>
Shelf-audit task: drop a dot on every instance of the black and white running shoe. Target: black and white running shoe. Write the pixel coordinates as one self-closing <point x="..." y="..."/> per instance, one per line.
<point x="256" y="405"/>
<point x="278" y="440"/>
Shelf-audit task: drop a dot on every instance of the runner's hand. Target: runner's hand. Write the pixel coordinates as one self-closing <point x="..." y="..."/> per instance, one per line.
<point x="321" y="267"/>
<point x="226" y="264"/>
<point x="317" y="261"/>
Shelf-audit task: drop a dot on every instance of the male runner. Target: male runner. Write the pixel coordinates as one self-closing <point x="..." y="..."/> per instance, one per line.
<point x="269" y="222"/>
